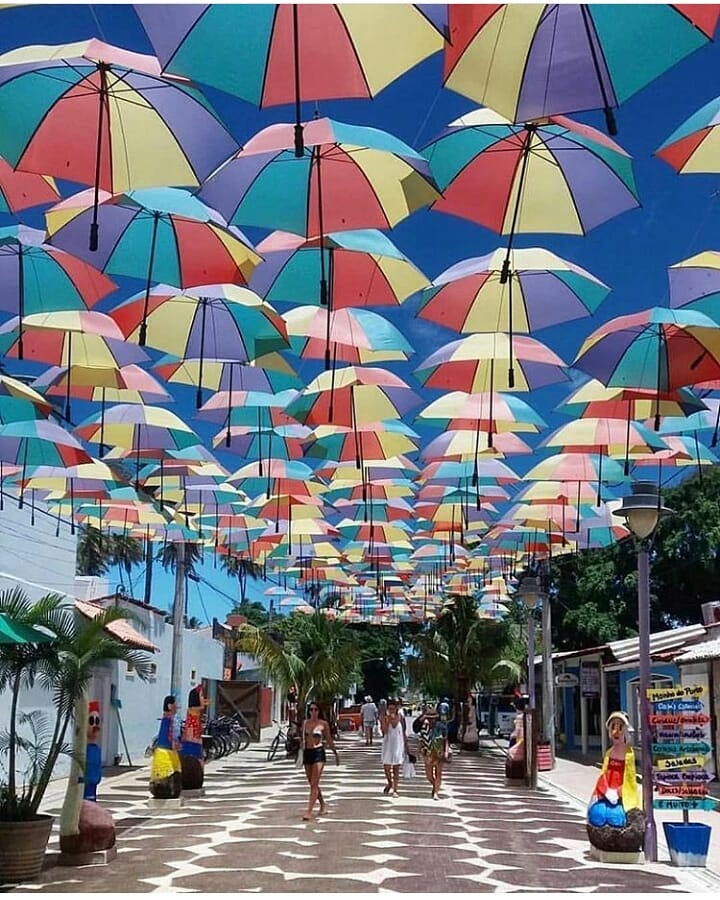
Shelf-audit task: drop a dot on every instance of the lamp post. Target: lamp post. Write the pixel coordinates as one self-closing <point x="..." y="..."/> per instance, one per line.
<point x="642" y="510"/>
<point x="530" y="592"/>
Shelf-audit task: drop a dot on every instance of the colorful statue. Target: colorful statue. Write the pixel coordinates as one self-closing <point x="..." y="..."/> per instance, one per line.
<point x="615" y="819"/>
<point x="165" y="770"/>
<point x="515" y="760"/>
<point x="192" y="758"/>
<point x="92" y="775"/>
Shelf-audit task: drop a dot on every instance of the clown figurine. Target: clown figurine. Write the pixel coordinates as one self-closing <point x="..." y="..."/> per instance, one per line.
<point x="93" y="754"/>
<point x="615" y="820"/>
<point x="165" y="777"/>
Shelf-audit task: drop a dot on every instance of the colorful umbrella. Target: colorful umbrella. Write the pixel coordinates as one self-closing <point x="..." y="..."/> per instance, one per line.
<point x="39" y="443"/>
<point x="471" y="365"/>
<point x="22" y="190"/>
<point x="100" y="115"/>
<point x="137" y="428"/>
<point x="534" y="60"/>
<point x="364" y="268"/>
<point x="350" y="176"/>
<point x="159" y="234"/>
<point x="39" y="278"/>
<point x="356" y="335"/>
<point x="693" y="146"/>
<point x="541" y="290"/>
<point x="217" y="321"/>
<point x="657" y="348"/>
<point x="695" y="283"/>
<point x="269" y="372"/>
<point x="298" y="52"/>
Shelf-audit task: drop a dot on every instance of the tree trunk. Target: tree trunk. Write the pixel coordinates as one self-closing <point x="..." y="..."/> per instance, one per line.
<point x="70" y="815"/>
<point x="12" y="784"/>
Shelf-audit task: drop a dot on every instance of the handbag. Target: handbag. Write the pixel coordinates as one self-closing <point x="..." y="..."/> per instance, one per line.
<point x="300" y="753"/>
<point x="408" y="769"/>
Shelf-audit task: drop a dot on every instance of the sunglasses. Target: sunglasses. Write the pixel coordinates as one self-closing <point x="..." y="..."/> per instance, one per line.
<point x="311" y="708"/>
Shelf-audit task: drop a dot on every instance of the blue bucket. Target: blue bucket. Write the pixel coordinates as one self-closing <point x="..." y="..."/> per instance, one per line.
<point x="688" y="842"/>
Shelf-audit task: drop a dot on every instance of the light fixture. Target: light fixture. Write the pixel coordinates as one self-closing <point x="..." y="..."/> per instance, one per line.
<point x="642" y="509"/>
<point x="530" y="591"/>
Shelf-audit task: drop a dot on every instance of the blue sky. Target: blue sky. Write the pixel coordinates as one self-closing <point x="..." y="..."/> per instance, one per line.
<point x="680" y="215"/>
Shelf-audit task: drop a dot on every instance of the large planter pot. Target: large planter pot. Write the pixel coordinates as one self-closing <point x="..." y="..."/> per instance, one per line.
<point x="22" y="848"/>
<point x="688" y="842"/>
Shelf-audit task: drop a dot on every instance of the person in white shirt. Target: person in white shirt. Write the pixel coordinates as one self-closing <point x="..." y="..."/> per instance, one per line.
<point x="369" y="716"/>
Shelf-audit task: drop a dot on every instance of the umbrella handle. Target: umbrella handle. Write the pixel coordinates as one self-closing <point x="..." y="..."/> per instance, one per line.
<point x="609" y="115"/>
<point x="103" y="69"/>
<point x="299" y="142"/>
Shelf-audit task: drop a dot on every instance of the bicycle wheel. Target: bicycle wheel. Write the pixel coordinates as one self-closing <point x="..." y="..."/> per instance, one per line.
<point x="273" y="749"/>
<point x="244" y="737"/>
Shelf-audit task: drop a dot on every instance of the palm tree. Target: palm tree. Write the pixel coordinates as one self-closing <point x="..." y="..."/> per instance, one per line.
<point x="83" y="645"/>
<point x="167" y="555"/>
<point x="461" y="651"/>
<point x="321" y="658"/>
<point x="241" y="568"/>
<point x="98" y="552"/>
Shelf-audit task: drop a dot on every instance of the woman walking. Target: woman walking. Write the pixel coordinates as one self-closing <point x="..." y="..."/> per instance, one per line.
<point x="315" y="735"/>
<point x="394" y="746"/>
<point x="434" y="747"/>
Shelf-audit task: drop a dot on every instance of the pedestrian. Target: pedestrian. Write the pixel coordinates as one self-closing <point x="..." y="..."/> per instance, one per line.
<point x="434" y="747"/>
<point x="291" y="702"/>
<point x="315" y="735"/>
<point x="394" y="746"/>
<point x="368" y="717"/>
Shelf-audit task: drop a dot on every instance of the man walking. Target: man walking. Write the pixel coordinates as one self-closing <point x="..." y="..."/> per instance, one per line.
<point x="369" y="716"/>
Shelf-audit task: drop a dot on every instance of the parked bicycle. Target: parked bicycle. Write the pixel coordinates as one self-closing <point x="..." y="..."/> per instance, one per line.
<point x="290" y="739"/>
<point x="224" y="735"/>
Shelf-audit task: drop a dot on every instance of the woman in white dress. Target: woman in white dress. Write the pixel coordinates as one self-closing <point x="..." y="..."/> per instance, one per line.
<point x="394" y="746"/>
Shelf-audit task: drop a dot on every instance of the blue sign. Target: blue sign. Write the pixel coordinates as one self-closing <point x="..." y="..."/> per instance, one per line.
<point x="672" y="706"/>
<point x="690" y="803"/>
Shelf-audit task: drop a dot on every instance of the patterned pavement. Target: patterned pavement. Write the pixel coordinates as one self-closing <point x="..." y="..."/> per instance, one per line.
<point x="246" y="834"/>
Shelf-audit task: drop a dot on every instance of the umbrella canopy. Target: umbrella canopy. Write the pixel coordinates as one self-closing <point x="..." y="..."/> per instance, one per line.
<point x="499" y="413"/>
<point x="475" y="364"/>
<point x="693" y="146"/>
<point x="555" y="176"/>
<point x="657" y="348"/>
<point x="39" y="443"/>
<point x="127" y="384"/>
<point x="350" y="176"/>
<point x="695" y="283"/>
<point x="355" y="335"/>
<point x="138" y="428"/>
<point x="100" y="115"/>
<point x="534" y="60"/>
<point x="364" y="268"/>
<point x="39" y="278"/>
<point x="215" y="321"/>
<point x="22" y="190"/>
<point x="12" y="632"/>
<point x="298" y="52"/>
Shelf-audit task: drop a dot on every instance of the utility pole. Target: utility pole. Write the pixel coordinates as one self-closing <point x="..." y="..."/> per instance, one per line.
<point x="178" y="621"/>
<point x="548" y="680"/>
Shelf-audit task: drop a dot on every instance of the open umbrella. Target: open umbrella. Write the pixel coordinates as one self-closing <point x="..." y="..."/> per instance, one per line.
<point x="39" y="278"/>
<point x="693" y="146"/>
<point x="100" y="115"/>
<point x="12" y="632"/>
<point x="531" y="60"/>
<point x="298" y="52"/>
<point x="553" y="175"/>
<point x="212" y="321"/>
<point x="364" y="268"/>
<point x="541" y="290"/>
<point x="159" y="234"/>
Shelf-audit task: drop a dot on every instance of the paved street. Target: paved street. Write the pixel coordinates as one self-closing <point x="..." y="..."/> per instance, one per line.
<point x="246" y="834"/>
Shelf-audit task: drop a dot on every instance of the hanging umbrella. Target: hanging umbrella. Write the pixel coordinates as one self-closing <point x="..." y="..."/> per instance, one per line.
<point x="39" y="443"/>
<point x="227" y="407"/>
<point x="356" y="335"/>
<point x="463" y="445"/>
<point x="695" y="283"/>
<point x="534" y="60"/>
<point x="127" y="384"/>
<point x="364" y="268"/>
<point x="349" y="176"/>
<point x="658" y="348"/>
<point x="137" y="428"/>
<point x="39" y="278"/>
<point x="595" y="400"/>
<point x="555" y="176"/>
<point x="100" y="115"/>
<point x="12" y="632"/>
<point x="298" y="52"/>
<point x="214" y="321"/>
<point x="472" y="363"/>
<point x="269" y="372"/>
<point x="19" y="401"/>
<point x="692" y="147"/>
<point x="159" y="234"/>
<point x="83" y="337"/>
<point x="541" y="290"/>
<point x="22" y="190"/>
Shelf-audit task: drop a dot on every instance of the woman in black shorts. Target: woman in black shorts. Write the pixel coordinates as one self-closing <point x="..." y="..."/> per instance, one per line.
<point x="316" y="733"/>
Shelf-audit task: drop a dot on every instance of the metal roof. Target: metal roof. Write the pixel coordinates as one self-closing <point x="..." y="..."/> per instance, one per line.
<point x="626" y="652"/>
<point x="700" y="652"/>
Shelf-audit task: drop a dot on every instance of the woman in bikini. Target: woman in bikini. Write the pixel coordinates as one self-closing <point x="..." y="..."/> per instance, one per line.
<point x="316" y="733"/>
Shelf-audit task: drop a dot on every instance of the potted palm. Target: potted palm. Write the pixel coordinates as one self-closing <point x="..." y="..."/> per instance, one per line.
<point x="58" y="652"/>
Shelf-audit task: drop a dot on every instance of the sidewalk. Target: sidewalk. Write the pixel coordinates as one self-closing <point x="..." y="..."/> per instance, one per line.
<point x="575" y="780"/>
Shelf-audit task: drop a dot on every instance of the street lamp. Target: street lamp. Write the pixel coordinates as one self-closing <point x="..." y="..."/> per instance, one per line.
<point x="642" y="510"/>
<point x="530" y="592"/>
